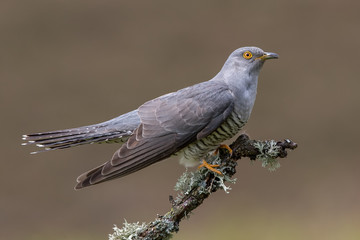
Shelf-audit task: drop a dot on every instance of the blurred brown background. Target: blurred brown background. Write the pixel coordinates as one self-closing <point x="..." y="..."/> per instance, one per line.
<point x="69" y="63"/>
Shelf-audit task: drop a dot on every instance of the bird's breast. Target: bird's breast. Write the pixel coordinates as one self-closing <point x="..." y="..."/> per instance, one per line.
<point x="192" y="154"/>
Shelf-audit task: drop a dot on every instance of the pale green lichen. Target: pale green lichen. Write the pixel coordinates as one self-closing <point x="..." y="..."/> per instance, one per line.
<point x="222" y="179"/>
<point x="187" y="181"/>
<point x="268" y="153"/>
<point x="130" y="231"/>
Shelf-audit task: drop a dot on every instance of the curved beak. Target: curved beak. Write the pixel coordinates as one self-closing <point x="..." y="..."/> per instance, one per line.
<point x="268" y="55"/>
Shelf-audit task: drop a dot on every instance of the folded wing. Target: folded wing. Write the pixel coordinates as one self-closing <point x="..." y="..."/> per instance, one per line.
<point x="168" y="124"/>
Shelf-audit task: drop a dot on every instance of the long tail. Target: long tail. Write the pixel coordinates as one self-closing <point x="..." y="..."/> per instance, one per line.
<point x="116" y="130"/>
<point x="73" y="137"/>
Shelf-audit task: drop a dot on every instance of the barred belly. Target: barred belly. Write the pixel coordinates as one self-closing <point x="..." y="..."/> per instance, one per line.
<point x="192" y="154"/>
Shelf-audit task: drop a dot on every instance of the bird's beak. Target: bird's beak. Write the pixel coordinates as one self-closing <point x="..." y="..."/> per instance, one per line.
<point x="268" y="55"/>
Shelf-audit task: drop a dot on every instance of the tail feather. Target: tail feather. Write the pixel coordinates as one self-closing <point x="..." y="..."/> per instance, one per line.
<point x="114" y="130"/>
<point x="61" y="139"/>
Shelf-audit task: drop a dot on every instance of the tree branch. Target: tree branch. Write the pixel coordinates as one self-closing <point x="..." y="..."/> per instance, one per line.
<point x="195" y="187"/>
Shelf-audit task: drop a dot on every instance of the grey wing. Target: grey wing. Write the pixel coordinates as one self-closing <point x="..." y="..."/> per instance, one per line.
<point x="168" y="124"/>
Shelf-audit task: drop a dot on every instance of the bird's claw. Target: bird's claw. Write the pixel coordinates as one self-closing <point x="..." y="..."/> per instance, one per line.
<point x="224" y="146"/>
<point x="211" y="167"/>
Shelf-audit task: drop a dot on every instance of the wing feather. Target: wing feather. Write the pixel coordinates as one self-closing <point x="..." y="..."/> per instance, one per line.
<point x="168" y="124"/>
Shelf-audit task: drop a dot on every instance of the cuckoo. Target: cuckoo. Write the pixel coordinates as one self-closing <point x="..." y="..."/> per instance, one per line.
<point x="188" y="123"/>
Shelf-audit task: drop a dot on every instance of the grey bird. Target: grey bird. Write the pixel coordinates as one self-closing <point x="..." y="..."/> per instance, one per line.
<point x="189" y="123"/>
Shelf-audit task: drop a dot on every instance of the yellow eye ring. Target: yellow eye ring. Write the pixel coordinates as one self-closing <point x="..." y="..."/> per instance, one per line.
<point x="247" y="55"/>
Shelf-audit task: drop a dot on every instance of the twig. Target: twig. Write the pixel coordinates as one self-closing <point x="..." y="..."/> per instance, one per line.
<point x="196" y="187"/>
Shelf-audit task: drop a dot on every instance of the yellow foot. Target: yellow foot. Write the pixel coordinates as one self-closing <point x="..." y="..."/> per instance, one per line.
<point x="223" y="146"/>
<point x="210" y="167"/>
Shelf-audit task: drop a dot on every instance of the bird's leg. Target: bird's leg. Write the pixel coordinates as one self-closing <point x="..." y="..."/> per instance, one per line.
<point x="223" y="146"/>
<point x="211" y="167"/>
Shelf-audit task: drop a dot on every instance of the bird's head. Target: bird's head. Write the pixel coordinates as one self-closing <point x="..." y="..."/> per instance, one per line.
<point x="249" y="59"/>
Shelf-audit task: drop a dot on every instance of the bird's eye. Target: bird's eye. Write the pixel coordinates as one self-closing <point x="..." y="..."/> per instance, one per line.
<point x="247" y="55"/>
